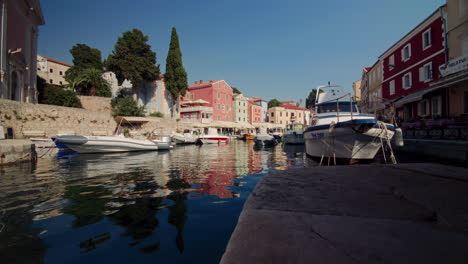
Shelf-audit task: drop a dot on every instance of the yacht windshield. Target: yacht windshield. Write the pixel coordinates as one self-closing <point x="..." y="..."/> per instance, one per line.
<point x="331" y="108"/>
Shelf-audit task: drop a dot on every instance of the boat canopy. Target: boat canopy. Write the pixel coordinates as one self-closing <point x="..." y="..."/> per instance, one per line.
<point x="333" y="107"/>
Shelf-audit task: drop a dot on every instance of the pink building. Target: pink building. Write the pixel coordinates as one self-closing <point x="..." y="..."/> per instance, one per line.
<point x="217" y="94"/>
<point x="18" y="49"/>
<point x="255" y="112"/>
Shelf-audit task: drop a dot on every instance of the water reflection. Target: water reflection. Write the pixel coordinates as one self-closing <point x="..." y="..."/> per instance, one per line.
<point x="146" y="195"/>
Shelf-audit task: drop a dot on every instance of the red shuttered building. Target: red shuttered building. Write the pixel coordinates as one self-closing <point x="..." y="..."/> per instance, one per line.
<point x="411" y="65"/>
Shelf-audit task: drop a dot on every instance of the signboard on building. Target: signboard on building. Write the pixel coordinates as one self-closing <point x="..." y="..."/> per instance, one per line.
<point x="454" y="66"/>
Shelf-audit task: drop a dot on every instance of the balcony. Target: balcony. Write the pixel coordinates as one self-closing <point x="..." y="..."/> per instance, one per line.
<point x="201" y="109"/>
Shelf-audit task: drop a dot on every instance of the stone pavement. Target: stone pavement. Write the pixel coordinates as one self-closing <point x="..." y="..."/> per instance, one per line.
<point x="406" y="213"/>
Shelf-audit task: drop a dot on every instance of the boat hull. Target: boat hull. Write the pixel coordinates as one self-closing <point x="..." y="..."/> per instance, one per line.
<point x="184" y="139"/>
<point x="214" y="140"/>
<point x="265" y="140"/>
<point x="345" y="143"/>
<point x="293" y="139"/>
<point x="95" y="144"/>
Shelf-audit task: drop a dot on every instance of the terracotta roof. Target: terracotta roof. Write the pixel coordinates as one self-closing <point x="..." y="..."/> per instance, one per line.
<point x="57" y="61"/>
<point x="254" y="103"/>
<point x="367" y="68"/>
<point x="257" y="99"/>
<point x="293" y="107"/>
<point x="200" y="85"/>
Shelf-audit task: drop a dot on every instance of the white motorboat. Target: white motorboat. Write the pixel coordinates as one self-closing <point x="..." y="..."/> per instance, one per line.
<point x="213" y="137"/>
<point x="294" y="134"/>
<point x="99" y="144"/>
<point x="188" y="137"/>
<point x="263" y="138"/>
<point x="340" y="131"/>
<point x="164" y="143"/>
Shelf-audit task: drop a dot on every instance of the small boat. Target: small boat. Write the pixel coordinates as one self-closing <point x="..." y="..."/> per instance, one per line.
<point x="249" y="136"/>
<point x="264" y="139"/>
<point x="213" y="137"/>
<point x="164" y="143"/>
<point x="294" y="134"/>
<point x="188" y="137"/>
<point x="99" y="144"/>
<point x="340" y="131"/>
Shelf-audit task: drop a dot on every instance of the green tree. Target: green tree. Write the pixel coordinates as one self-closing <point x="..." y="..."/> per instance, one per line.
<point x="91" y="79"/>
<point x="126" y="106"/>
<point x="235" y="90"/>
<point x="175" y="76"/>
<point x="56" y="95"/>
<point x="273" y="103"/>
<point x="41" y="86"/>
<point x="85" y="57"/>
<point x="133" y="59"/>
<point x="311" y="98"/>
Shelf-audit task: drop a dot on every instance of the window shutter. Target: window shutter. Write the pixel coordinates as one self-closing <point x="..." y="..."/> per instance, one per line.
<point x="421" y="74"/>
<point x="430" y="72"/>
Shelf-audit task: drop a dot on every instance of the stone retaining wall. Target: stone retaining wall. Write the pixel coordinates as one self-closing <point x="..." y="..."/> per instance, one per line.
<point x="96" y="103"/>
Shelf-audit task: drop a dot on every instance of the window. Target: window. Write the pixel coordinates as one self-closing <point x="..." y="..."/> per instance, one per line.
<point x="330" y="108"/>
<point x="219" y="95"/>
<point x="436" y="106"/>
<point x="227" y="97"/>
<point x="51" y="81"/>
<point x="244" y="103"/>
<point x="391" y="62"/>
<point x="392" y="87"/>
<point x="406" y="53"/>
<point x="423" y="108"/>
<point x="407" y="80"/>
<point x="281" y="114"/>
<point x="286" y="114"/>
<point x="425" y="72"/>
<point x="219" y="117"/>
<point x="60" y="82"/>
<point x="38" y="68"/>
<point x="61" y="73"/>
<point x="51" y="70"/>
<point x="272" y="114"/>
<point x="427" y="39"/>
<point x="218" y="106"/>
<point x="244" y="118"/>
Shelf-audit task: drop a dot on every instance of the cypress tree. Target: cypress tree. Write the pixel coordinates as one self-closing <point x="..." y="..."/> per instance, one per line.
<point x="176" y="76"/>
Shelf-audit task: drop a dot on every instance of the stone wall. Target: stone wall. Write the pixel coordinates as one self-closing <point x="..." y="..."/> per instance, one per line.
<point x="40" y="120"/>
<point x="96" y="103"/>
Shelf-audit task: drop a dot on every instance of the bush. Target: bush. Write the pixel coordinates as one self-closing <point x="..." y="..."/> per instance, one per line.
<point x="56" y="95"/>
<point x="126" y="106"/>
<point x="104" y="92"/>
<point x="157" y="114"/>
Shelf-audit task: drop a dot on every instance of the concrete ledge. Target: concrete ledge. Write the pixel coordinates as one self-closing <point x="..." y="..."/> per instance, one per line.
<point x="411" y="213"/>
<point x="456" y="150"/>
<point x="16" y="150"/>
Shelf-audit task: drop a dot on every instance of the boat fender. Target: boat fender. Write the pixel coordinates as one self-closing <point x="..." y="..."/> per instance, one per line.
<point x="398" y="138"/>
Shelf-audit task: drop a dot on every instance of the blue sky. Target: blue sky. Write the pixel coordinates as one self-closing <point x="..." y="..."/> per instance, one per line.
<point x="266" y="48"/>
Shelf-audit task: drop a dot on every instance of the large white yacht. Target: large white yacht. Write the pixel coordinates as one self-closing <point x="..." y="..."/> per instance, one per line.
<point x="340" y="131"/>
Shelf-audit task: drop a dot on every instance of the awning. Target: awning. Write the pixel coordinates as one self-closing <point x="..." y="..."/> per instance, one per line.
<point x="417" y="96"/>
<point x="131" y="119"/>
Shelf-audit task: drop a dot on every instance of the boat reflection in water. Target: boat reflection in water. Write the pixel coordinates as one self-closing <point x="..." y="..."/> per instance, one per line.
<point x="175" y="206"/>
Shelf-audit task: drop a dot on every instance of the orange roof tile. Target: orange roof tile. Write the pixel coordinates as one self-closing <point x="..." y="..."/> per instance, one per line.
<point x="57" y="61"/>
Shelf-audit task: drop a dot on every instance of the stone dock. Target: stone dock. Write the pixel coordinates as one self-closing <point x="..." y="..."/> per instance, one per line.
<point x="406" y="213"/>
<point x="16" y="150"/>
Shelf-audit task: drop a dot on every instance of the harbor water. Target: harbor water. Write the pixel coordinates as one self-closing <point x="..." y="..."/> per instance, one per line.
<point x="177" y="206"/>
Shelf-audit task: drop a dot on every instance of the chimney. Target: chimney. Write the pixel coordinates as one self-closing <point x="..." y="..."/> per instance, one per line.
<point x="196" y="82"/>
<point x="201" y="81"/>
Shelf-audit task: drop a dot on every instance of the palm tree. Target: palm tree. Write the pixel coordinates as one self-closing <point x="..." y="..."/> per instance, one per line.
<point x="93" y="80"/>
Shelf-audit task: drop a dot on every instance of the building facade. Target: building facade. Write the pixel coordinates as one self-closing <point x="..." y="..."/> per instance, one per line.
<point x="18" y="49"/>
<point x="374" y="90"/>
<point x="288" y="113"/>
<point x="364" y="88"/>
<point x="410" y="66"/>
<point x="52" y="70"/>
<point x="255" y="112"/>
<point x="219" y="96"/>
<point x="357" y="91"/>
<point x="240" y="107"/>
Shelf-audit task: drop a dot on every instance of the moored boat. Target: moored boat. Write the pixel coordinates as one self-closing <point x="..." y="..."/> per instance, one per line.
<point x="340" y="131"/>
<point x="188" y="137"/>
<point x="263" y="138"/>
<point x="213" y="137"/>
<point x="294" y="134"/>
<point x="100" y="144"/>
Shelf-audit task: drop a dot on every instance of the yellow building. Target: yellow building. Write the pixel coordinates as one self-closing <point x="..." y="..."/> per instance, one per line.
<point x="375" y="88"/>
<point x="288" y="113"/>
<point x="52" y="70"/>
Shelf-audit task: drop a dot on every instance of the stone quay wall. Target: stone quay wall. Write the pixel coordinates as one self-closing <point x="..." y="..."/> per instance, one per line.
<point x="40" y="120"/>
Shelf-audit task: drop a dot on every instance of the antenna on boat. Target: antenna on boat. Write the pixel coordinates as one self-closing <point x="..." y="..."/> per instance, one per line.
<point x="328" y="83"/>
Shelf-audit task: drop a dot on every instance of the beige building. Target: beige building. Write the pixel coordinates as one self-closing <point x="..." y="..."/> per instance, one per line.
<point x="357" y="90"/>
<point x="455" y="72"/>
<point x="288" y="113"/>
<point x="240" y="106"/>
<point x="375" y="88"/>
<point x="52" y="70"/>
